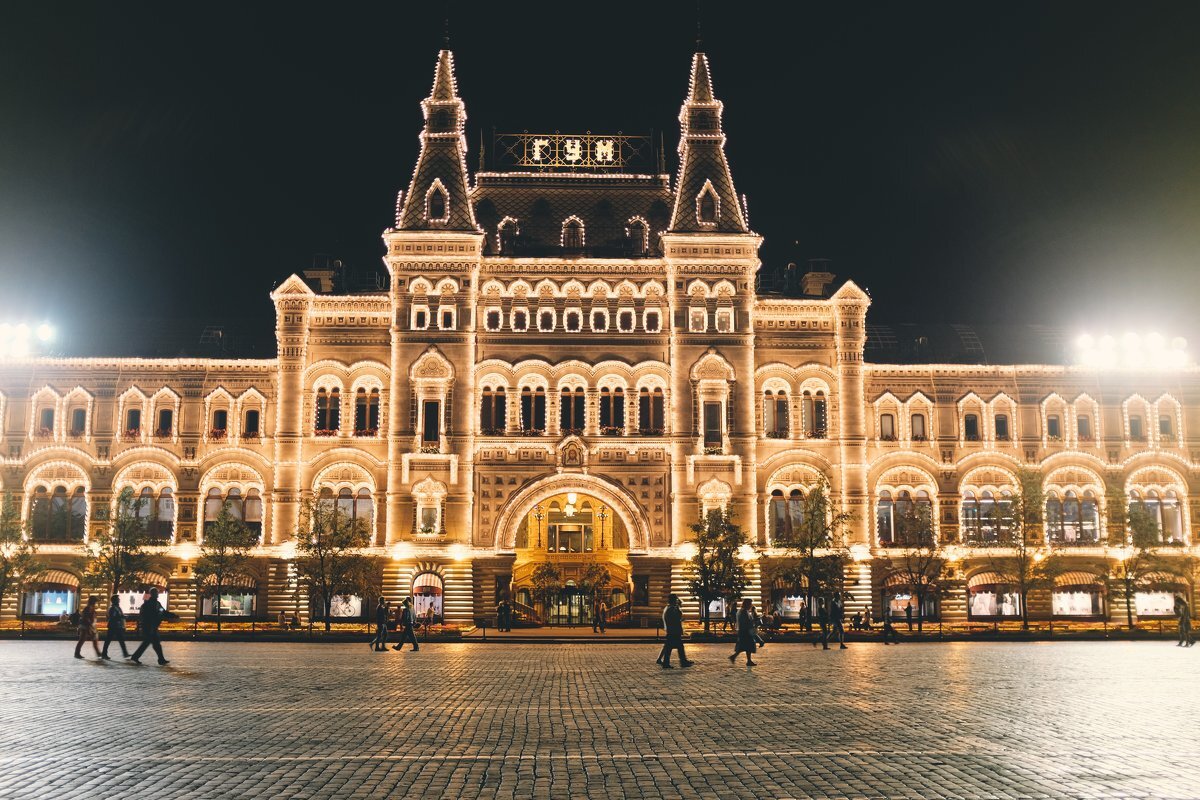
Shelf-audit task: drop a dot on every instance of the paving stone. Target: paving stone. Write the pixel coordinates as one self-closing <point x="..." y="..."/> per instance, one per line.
<point x="1080" y="720"/>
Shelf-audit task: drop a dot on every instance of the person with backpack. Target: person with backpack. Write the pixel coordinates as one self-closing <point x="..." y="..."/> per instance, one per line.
<point x="87" y="628"/>
<point x="116" y="628"/>
<point x="150" y="616"/>
<point x="407" y="623"/>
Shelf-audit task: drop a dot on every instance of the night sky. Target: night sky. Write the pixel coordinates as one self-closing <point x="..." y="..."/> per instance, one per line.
<point x="162" y="167"/>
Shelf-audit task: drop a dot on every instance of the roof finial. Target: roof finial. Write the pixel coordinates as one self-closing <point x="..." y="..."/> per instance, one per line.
<point x="699" y="33"/>
<point x="446" y="28"/>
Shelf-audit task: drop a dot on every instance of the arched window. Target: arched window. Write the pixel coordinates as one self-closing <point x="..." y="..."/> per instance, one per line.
<point x="438" y="205"/>
<point x="1165" y="511"/>
<point x="612" y="411"/>
<point x="366" y="412"/>
<point x="571" y="411"/>
<point x="533" y="411"/>
<point x="246" y="507"/>
<point x="1002" y="432"/>
<point x="707" y="207"/>
<point x="164" y="515"/>
<point x="639" y="238"/>
<point x="775" y="414"/>
<point x="786" y="512"/>
<point x="887" y="427"/>
<point x="507" y="237"/>
<point x="220" y="424"/>
<point x="987" y="521"/>
<point x="56" y="515"/>
<point x="884" y="524"/>
<point x="493" y="411"/>
<point x="329" y="412"/>
<point x="133" y="423"/>
<point x="971" y="427"/>
<point x="572" y="235"/>
<point x="651" y="412"/>
<point x="78" y="422"/>
<point x="815" y="414"/>
<point x="917" y="422"/>
<point x="358" y="507"/>
<point x="252" y="427"/>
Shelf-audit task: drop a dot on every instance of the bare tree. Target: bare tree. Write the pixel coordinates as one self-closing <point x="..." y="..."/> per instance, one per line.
<point x="716" y="571"/>
<point x="19" y="565"/>
<point x="1020" y="554"/>
<point x="814" y="546"/>
<point x="116" y="553"/>
<point x="331" y="557"/>
<point x="224" y="553"/>
<point x="918" y="557"/>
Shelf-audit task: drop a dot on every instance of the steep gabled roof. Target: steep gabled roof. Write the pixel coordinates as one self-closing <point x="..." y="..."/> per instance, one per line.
<point x="703" y="168"/>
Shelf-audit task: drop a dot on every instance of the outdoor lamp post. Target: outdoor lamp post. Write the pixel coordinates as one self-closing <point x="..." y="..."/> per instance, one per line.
<point x="602" y="515"/>
<point x="539" y="516"/>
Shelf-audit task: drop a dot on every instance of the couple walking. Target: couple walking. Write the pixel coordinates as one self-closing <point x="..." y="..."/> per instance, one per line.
<point x="407" y="624"/>
<point x="748" y="639"/>
<point x="150" y="617"/>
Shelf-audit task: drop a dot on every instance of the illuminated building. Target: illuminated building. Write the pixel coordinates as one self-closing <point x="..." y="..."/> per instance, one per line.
<point x="572" y="362"/>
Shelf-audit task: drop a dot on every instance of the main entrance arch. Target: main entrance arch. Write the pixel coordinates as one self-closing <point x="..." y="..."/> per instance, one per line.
<point x="571" y="535"/>
<point x="622" y="505"/>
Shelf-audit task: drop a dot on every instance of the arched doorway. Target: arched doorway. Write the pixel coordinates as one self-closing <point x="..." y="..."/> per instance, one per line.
<point x="428" y="589"/>
<point x="572" y="554"/>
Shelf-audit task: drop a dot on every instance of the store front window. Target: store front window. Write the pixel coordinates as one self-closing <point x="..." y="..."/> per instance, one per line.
<point x="898" y="598"/>
<point x="1077" y="601"/>
<point x="993" y="600"/>
<point x="1154" y="603"/>
<point x="132" y="599"/>
<point x="236" y="603"/>
<point x="51" y="601"/>
<point x="427" y="595"/>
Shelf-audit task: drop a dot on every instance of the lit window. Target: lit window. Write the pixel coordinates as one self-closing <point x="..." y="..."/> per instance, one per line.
<point x="439" y="207"/>
<point x="78" y="422"/>
<point x="612" y="411"/>
<point x="887" y="427"/>
<point x="430" y="423"/>
<point x="1083" y="425"/>
<point x="1164" y="426"/>
<point x="814" y="410"/>
<point x="572" y="235"/>
<point x="725" y="320"/>
<point x="638" y="238"/>
<point x="533" y="411"/>
<point x="1135" y="429"/>
<point x="571" y="407"/>
<point x="493" y="411"/>
<point x="775" y="414"/>
<point x="166" y="423"/>
<point x="447" y="319"/>
<point x="918" y="428"/>
<point x="1053" y="428"/>
<point x="420" y="318"/>
<point x="250" y="429"/>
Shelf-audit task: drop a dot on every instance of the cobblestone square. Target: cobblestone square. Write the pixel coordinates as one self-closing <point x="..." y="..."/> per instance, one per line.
<point x="1071" y="720"/>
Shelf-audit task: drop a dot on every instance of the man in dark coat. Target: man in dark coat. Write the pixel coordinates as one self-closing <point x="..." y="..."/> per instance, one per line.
<point x="673" y="625"/>
<point x="116" y="627"/>
<point x="837" y="616"/>
<point x="150" y="616"/>
<point x="823" y="619"/>
<point x="379" y="643"/>
<point x="407" y="627"/>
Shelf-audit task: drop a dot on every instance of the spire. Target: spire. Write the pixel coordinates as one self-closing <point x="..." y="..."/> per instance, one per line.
<point x="437" y="197"/>
<point x="705" y="198"/>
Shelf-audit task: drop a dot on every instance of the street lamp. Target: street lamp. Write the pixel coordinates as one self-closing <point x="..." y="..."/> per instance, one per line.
<point x="21" y="340"/>
<point x="602" y="515"/>
<point x="539" y="516"/>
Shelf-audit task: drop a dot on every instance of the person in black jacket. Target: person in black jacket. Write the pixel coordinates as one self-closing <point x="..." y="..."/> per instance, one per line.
<point x="673" y="624"/>
<point x="407" y="627"/>
<point x="379" y="643"/>
<point x="150" y="616"/>
<point x="116" y="628"/>
<point x="745" y="633"/>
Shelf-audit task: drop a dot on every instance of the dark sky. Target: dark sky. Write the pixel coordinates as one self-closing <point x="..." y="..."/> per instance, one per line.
<point x="163" y="166"/>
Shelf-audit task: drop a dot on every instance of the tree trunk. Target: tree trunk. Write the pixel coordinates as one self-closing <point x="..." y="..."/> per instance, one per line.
<point x="328" y="600"/>
<point x="920" y="611"/>
<point x="1024" y="608"/>
<point x="218" y="606"/>
<point x="1129" y="602"/>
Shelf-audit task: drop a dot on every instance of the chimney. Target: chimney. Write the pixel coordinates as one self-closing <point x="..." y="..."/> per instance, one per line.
<point x="817" y="280"/>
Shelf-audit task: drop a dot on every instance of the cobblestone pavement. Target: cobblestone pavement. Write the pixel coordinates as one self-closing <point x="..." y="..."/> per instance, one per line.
<point x="1070" y="720"/>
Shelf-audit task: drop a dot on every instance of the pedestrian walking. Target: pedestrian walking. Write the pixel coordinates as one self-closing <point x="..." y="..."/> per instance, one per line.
<point x="673" y="625"/>
<point x="889" y="631"/>
<point x="837" y="619"/>
<point x="379" y="642"/>
<point x="407" y="624"/>
<point x="1184" y="613"/>
<point x="150" y="616"/>
<point x="87" y="628"/>
<point x="908" y="612"/>
<point x="500" y="617"/>
<point x="745" y="633"/>
<point x="115" y="631"/>
<point x="758" y="639"/>
<point x="823" y="621"/>
<point x="430" y="618"/>
<point x="729" y="618"/>
<point x="602" y="617"/>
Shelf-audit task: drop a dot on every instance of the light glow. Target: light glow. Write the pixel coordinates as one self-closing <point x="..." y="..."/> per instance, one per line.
<point x="1151" y="351"/>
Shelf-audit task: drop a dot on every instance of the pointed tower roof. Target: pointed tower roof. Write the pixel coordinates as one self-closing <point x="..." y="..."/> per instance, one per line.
<point x="705" y="198"/>
<point x="437" y="196"/>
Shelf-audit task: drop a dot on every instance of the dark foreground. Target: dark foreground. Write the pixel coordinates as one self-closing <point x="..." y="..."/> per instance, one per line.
<point x="978" y="720"/>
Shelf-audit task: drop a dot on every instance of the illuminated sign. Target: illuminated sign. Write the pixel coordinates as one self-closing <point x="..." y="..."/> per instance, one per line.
<point x="570" y="152"/>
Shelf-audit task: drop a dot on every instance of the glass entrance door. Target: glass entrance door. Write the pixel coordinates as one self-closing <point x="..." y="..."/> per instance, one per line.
<point x="571" y="608"/>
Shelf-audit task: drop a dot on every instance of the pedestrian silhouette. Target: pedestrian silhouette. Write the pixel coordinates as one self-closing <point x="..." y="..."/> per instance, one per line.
<point x="407" y="627"/>
<point x="150" y="616"/>
<point x="673" y="625"/>
<point x="837" y="618"/>
<point x="745" y="633"/>
<point x="115" y="631"/>
<point x="889" y="631"/>
<point x="379" y="642"/>
<point x="1184" y="613"/>
<point x="87" y="628"/>
<point x="908" y="612"/>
